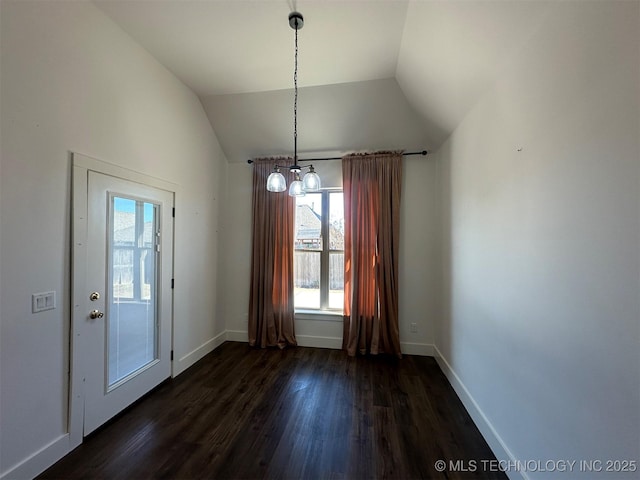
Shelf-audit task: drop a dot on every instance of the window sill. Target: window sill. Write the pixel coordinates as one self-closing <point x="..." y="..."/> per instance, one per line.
<point x="324" y="315"/>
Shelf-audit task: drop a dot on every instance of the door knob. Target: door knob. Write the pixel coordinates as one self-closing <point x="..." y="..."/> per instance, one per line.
<point x="96" y="314"/>
<point x="94" y="296"/>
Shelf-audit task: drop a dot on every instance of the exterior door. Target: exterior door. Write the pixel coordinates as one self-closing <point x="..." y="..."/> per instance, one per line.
<point x="127" y="292"/>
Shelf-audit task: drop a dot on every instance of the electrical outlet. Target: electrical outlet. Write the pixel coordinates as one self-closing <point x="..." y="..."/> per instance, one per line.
<point x="414" y="328"/>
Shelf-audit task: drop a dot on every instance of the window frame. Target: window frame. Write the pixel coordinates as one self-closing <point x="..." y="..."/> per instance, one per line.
<point x="325" y="254"/>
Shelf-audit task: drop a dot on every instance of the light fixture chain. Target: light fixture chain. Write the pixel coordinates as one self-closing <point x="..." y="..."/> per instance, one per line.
<point x="295" y="102"/>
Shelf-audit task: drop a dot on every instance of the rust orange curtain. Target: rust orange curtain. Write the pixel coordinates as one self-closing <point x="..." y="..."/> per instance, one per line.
<point x="271" y="308"/>
<point x="372" y="187"/>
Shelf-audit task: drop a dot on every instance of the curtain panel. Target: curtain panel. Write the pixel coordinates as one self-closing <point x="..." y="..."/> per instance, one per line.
<point x="372" y="188"/>
<point x="271" y="309"/>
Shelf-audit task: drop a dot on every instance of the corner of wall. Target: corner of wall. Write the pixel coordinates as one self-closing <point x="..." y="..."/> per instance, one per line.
<point x="198" y="353"/>
<point x="497" y="445"/>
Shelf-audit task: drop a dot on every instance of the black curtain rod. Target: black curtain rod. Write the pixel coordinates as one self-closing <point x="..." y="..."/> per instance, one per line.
<point x="423" y="153"/>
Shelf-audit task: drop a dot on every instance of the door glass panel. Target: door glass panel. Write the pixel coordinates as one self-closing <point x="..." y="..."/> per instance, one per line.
<point x="131" y="308"/>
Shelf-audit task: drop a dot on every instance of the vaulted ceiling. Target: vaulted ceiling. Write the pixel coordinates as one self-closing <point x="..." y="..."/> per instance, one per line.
<point x="373" y="74"/>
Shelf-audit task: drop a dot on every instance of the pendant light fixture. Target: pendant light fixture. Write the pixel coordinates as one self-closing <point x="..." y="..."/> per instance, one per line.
<point x="311" y="181"/>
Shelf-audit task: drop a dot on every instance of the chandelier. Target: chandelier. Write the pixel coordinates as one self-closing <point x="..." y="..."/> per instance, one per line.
<point x="311" y="181"/>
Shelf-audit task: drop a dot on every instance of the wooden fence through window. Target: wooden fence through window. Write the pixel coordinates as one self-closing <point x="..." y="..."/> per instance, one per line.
<point x="307" y="270"/>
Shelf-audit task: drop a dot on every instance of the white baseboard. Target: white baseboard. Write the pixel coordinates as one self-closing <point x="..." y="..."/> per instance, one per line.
<point x="497" y="445"/>
<point x="39" y="461"/>
<point x="192" y="357"/>
<point x="303" y="340"/>
<point x="237" y="336"/>
<point x="422" y="349"/>
<point x="334" y="343"/>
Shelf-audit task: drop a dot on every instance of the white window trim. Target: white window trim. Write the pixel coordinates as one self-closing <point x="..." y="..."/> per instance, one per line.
<point x="328" y="314"/>
<point x="325" y="315"/>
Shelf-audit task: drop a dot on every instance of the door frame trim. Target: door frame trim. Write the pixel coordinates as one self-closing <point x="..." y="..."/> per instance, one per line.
<point x="81" y="166"/>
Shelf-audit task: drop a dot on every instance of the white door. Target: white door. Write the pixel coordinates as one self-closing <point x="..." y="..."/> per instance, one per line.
<point x="127" y="334"/>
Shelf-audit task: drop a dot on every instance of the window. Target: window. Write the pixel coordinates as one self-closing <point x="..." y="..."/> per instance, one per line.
<point x="319" y="251"/>
<point x="133" y="258"/>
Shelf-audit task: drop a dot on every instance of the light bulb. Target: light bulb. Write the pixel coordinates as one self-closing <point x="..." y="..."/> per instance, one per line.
<point x="276" y="181"/>
<point x="311" y="181"/>
<point x="295" y="189"/>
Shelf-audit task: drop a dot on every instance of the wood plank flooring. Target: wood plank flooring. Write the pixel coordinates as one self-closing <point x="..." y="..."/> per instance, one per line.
<point x="299" y="413"/>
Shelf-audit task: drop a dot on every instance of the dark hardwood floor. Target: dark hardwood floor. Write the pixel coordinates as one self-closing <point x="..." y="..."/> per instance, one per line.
<point x="299" y="413"/>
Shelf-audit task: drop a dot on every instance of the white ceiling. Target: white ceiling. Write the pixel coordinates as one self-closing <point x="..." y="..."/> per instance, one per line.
<point x="220" y="47"/>
<point x="441" y="54"/>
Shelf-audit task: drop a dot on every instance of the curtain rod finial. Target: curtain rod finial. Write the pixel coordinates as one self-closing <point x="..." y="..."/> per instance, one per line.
<point x="249" y="161"/>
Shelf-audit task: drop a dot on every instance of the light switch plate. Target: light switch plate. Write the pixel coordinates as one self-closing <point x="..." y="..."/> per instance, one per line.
<point x="43" y="301"/>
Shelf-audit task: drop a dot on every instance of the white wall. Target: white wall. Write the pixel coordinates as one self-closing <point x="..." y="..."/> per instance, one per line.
<point x="419" y="261"/>
<point x="368" y="115"/>
<point x="419" y="269"/>
<point x="542" y="246"/>
<point x="73" y="81"/>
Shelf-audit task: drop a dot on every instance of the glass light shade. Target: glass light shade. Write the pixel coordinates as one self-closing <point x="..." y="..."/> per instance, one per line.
<point x="276" y="182"/>
<point x="295" y="189"/>
<point x="311" y="182"/>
